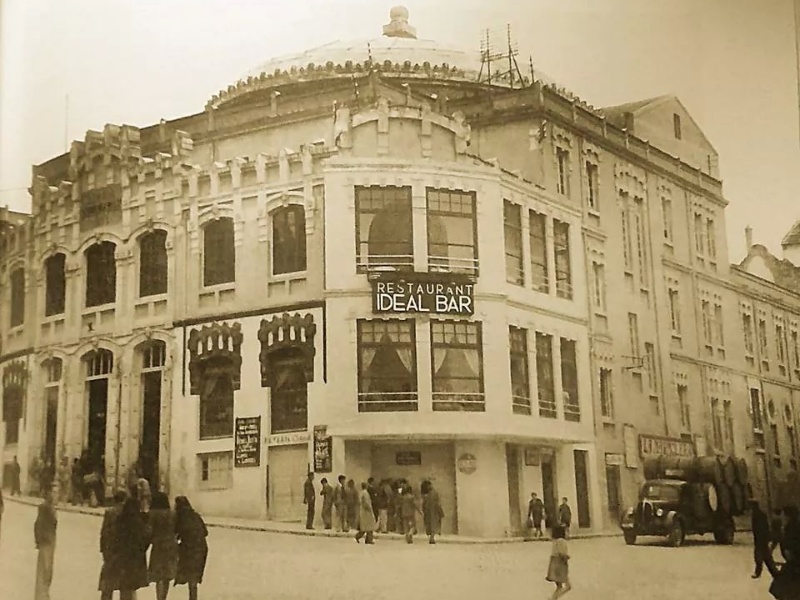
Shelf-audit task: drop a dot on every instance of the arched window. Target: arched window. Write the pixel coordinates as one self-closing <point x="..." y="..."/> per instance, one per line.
<point x="101" y="274"/>
<point x="153" y="356"/>
<point x="55" y="285"/>
<point x="219" y="253"/>
<point x="384" y="228"/>
<point x="98" y="364"/>
<point x="153" y="263"/>
<point x="288" y="240"/>
<point x="17" y="297"/>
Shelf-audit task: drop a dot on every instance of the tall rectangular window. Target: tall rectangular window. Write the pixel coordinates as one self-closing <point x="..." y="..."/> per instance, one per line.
<point x="716" y="423"/>
<point x="17" y="312"/>
<point x="796" y="352"/>
<point x="599" y="286"/>
<point x="219" y="253"/>
<point x="747" y="327"/>
<point x="641" y="241"/>
<point x="780" y="345"/>
<point x="683" y="405"/>
<point x="613" y="487"/>
<point x="633" y="333"/>
<point x="776" y="442"/>
<point x="384" y="237"/>
<point x="457" y="357"/>
<point x="288" y="240"/>
<point x="452" y="230"/>
<point x="562" y="254"/>
<point x="12" y="412"/>
<point x="763" y="347"/>
<point x="719" y="325"/>
<point x="512" y="226"/>
<point x="216" y="399"/>
<point x="562" y="166"/>
<point x="387" y="366"/>
<point x="520" y="378"/>
<point x="652" y="367"/>
<point x="757" y="417"/>
<point x="666" y="216"/>
<point x="101" y="274"/>
<point x="606" y="393"/>
<point x="569" y="380"/>
<point x="544" y="375"/>
<point x="55" y="285"/>
<point x="627" y="250"/>
<point x="153" y="263"/>
<point x="727" y="417"/>
<point x="592" y="186"/>
<point x="674" y="310"/>
<point x="711" y="239"/>
<point x="538" y="241"/>
<point x="705" y="310"/>
<point x="676" y="126"/>
<point x="699" y="234"/>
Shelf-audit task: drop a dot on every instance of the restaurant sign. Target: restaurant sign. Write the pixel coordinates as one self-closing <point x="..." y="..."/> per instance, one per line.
<point x="650" y="445"/>
<point x="435" y="293"/>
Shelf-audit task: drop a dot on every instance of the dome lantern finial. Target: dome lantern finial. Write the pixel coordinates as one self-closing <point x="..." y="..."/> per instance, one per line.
<point x="399" y="27"/>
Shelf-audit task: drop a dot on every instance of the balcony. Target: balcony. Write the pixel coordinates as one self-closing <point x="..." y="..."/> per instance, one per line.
<point x="521" y="405"/>
<point x="386" y="263"/>
<point x="387" y="401"/>
<point x="452" y="264"/>
<point x="459" y="402"/>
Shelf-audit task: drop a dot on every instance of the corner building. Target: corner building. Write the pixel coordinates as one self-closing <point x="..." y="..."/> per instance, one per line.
<point x="369" y="259"/>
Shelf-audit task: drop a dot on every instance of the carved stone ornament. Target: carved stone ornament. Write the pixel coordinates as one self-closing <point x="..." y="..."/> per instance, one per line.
<point x="286" y="332"/>
<point x="212" y="342"/>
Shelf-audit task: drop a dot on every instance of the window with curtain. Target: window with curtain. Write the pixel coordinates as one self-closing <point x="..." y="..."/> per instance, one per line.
<point x="512" y="227"/>
<point x="562" y="255"/>
<point x="384" y="234"/>
<point x="538" y="241"/>
<point x="216" y="399"/>
<point x="569" y="380"/>
<point x="153" y="263"/>
<point x="219" y="253"/>
<point x="457" y="366"/>
<point x="289" y="394"/>
<point x="520" y="377"/>
<point x="17" y="312"/>
<point x="387" y="374"/>
<point x="101" y="274"/>
<point x="55" y="285"/>
<point x="545" y="381"/>
<point x="288" y="240"/>
<point x="452" y="226"/>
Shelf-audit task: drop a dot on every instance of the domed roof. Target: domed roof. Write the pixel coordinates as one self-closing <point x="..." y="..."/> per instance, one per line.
<point x="397" y="46"/>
